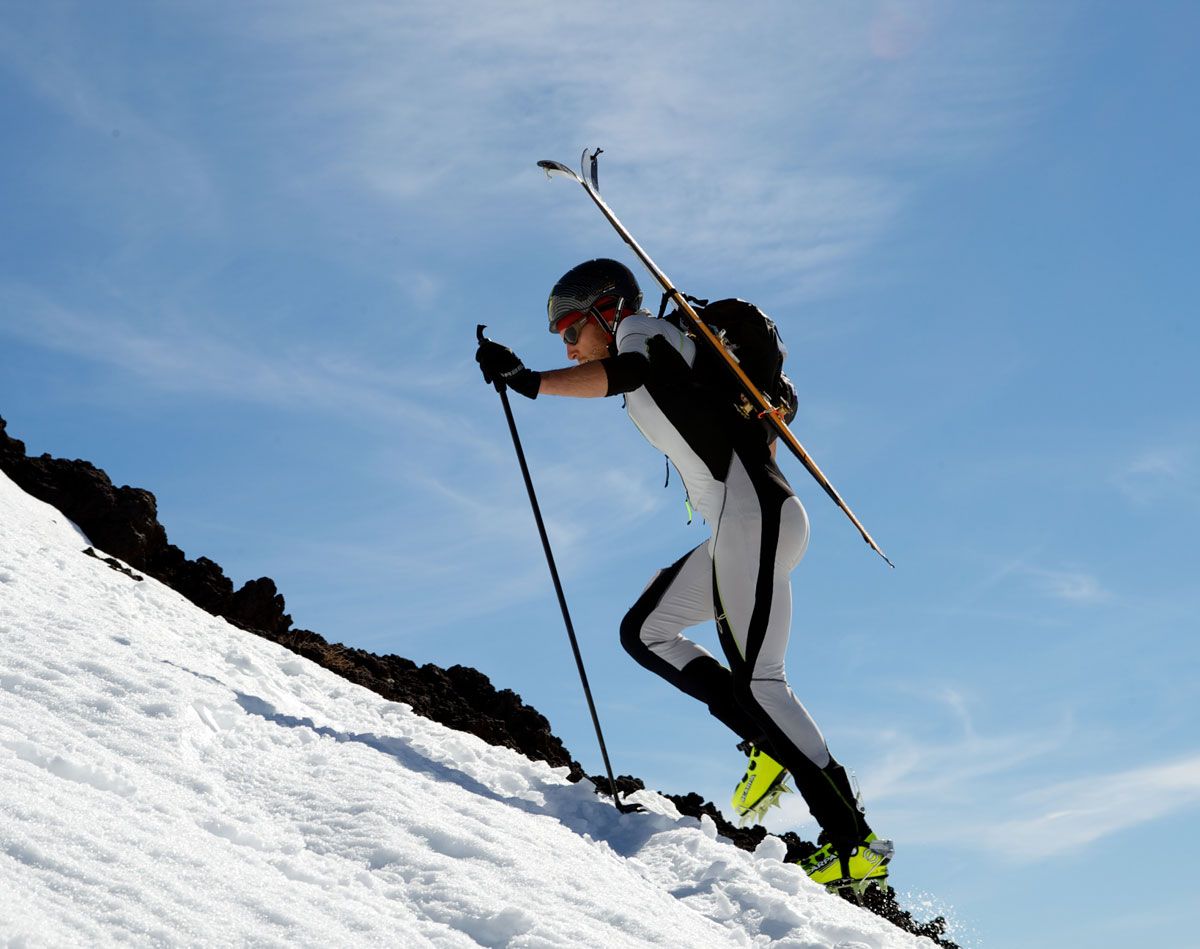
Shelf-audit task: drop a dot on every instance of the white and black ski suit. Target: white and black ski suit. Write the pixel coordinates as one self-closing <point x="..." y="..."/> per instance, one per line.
<point x="739" y="577"/>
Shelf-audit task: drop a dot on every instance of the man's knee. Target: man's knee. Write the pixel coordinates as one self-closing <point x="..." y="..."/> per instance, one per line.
<point x="633" y="626"/>
<point x="761" y="693"/>
<point x="631" y="633"/>
<point x="771" y="693"/>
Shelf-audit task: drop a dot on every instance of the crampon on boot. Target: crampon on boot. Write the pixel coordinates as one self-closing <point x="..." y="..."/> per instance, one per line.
<point x="762" y="784"/>
<point x="850" y="870"/>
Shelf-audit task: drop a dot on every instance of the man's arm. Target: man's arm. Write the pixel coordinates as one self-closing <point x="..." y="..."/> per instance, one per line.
<point x="588" y="381"/>
<point x="591" y="380"/>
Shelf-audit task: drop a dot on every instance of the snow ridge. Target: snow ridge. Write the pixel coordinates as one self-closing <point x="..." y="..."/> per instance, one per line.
<point x="168" y="777"/>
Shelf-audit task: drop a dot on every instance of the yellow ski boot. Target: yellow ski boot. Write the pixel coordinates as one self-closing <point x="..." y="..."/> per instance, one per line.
<point x="863" y="866"/>
<point x="764" y="782"/>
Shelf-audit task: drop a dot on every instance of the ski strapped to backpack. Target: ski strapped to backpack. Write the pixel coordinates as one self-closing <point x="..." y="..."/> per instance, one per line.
<point x="750" y="337"/>
<point x="772" y="413"/>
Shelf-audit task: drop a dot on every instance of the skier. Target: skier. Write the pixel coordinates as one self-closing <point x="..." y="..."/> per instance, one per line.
<point x="738" y="577"/>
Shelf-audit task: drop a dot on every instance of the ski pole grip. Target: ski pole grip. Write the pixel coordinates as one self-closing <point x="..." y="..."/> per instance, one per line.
<point x="479" y="337"/>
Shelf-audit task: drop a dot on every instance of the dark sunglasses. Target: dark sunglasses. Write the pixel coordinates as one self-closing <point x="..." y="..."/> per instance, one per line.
<point x="575" y="322"/>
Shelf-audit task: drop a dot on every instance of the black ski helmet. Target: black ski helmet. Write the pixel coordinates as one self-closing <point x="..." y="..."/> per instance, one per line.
<point x="583" y="285"/>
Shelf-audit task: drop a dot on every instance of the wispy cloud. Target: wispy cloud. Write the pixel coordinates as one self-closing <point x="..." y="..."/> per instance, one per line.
<point x="1072" y="586"/>
<point x="1071" y="814"/>
<point x="994" y="791"/>
<point x="949" y="767"/>
<point x="191" y="356"/>
<point x="1162" y="473"/>
<point x="919" y="773"/>
<point x="411" y="119"/>
<point x="789" y="164"/>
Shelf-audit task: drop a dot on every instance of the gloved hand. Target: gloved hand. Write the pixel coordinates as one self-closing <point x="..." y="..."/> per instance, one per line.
<point x="501" y="364"/>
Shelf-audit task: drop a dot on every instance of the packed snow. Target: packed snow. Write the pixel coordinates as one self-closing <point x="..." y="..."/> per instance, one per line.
<point x="168" y="778"/>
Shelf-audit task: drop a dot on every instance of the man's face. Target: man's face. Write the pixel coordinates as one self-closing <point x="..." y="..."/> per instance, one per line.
<point x="591" y="345"/>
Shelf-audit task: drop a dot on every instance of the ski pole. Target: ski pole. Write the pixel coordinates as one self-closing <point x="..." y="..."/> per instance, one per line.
<point x="767" y="410"/>
<point x="562" y="600"/>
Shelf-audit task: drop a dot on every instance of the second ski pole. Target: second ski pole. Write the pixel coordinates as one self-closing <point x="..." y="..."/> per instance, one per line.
<point x="562" y="600"/>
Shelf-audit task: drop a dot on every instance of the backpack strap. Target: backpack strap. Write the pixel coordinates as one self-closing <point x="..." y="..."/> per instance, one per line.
<point x="668" y="295"/>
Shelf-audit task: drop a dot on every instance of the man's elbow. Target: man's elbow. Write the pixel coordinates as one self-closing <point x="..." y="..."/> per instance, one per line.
<point x="625" y="372"/>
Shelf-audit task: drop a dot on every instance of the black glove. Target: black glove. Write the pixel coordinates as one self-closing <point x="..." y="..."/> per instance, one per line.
<point x="500" y="364"/>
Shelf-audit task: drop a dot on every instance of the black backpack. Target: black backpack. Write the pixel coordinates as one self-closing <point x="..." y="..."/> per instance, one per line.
<point x="752" y="338"/>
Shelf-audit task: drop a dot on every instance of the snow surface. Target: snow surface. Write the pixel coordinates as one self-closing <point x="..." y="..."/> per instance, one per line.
<point x="168" y="778"/>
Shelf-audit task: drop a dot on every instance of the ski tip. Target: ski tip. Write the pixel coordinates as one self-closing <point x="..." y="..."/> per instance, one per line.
<point x="589" y="167"/>
<point x="552" y="168"/>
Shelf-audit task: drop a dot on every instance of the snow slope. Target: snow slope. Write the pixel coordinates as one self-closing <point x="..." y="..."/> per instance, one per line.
<point x="166" y="777"/>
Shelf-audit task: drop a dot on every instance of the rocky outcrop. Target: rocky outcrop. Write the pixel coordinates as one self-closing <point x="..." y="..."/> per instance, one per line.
<point x="459" y="697"/>
<point x="123" y="522"/>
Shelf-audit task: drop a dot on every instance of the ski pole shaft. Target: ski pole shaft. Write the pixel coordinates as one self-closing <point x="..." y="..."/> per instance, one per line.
<point x="562" y="599"/>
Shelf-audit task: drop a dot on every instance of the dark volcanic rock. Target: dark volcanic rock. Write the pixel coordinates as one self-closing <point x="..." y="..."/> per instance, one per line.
<point x="123" y="522"/>
<point x="120" y="521"/>
<point x="259" y="606"/>
<point x="459" y="697"/>
<point x="747" y="838"/>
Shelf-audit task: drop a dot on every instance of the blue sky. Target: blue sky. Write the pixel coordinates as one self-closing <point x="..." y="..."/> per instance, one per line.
<point x="246" y="247"/>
